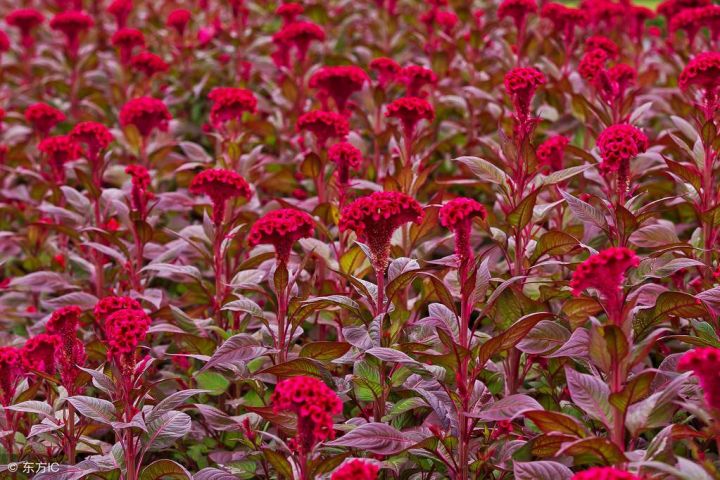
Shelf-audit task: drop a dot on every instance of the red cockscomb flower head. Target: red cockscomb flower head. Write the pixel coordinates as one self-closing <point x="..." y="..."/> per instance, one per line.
<point x="703" y="72"/>
<point x="564" y="18"/>
<point x="592" y="65"/>
<point x="125" y="40"/>
<point x="43" y="117"/>
<point x="95" y="136"/>
<point x="387" y="70"/>
<point x="109" y="305"/>
<point x="415" y="78"/>
<point x="146" y="114"/>
<point x="58" y="151"/>
<point x="229" y="104"/>
<point x="375" y="217"/>
<point x="639" y="16"/>
<point x="521" y="84"/>
<point x="614" y="82"/>
<point x="179" y="19"/>
<point x="604" y="473"/>
<point x="281" y="229"/>
<point x="11" y="370"/>
<point x="410" y="111"/>
<point x="670" y="8"/>
<point x="605" y="272"/>
<point x="64" y="321"/>
<point x="72" y="24"/>
<point x="603" y="43"/>
<point x="220" y="185"/>
<point x="140" y="194"/>
<point x="339" y="82"/>
<point x="550" y="153"/>
<point x="324" y="125"/>
<point x="356" y="470"/>
<point x="26" y="20"/>
<point x="38" y="353"/>
<point x="688" y="20"/>
<point x="289" y="11"/>
<point x="314" y="404"/>
<point x="618" y="144"/>
<point x="4" y="42"/>
<point x="518" y="10"/>
<point x="120" y="9"/>
<point x="124" y="330"/>
<point x="148" y="63"/>
<point x="345" y="156"/>
<point x="705" y="364"/>
<point x="299" y="35"/>
<point x="457" y="215"/>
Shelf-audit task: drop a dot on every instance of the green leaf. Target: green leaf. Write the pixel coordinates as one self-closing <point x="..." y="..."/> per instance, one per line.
<point x="668" y="304"/>
<point x="594" y="450"/>
<point x="554" y="243"/>
<point x="522" y="214"/>
<point x="324" y="351"/>
<point x="279" y="463"/>
<point x="549" y="422"/>
<point x="510" y="337"/>
<point x="637" y="388"/>
<point x="298" y="367"/>
<point x="484" y="170"/>
<point x="94" y="408"/>
<point x="214" y="383"/>
<point x="165" y="469"/>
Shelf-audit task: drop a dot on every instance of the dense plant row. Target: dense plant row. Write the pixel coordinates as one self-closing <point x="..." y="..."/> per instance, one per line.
<point x="358" y="239"/>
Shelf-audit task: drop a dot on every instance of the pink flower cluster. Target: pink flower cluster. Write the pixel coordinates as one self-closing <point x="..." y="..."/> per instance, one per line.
<point x="705" y="364"/>
<point x="281" y="229"/>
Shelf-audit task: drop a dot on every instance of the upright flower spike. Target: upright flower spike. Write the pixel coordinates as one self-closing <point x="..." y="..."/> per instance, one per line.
<point x="179" y="20"/>
<point x="125" y="40"/>
<point x="356" y="470"/>
<point x="519" y="11"/>
<point x="604" y="473"/>
<point x="281" y="229"/>
<point x="109" y="305"/>
<point x="38" y="353"/>
<point x="374" y="219"/>
<point x="95" y="136"/>
<point x="121" y="10"/>
<point x="521" y="84"/>
<point x="387" y="70"/>
<point x="220" y="185"/>
<point x="410" y="111"/>
<point x="148" y="64"/>
<point x="705" y="364"/>
<point x="339" y="83"/>
<point x="618" y="144"/>
<point x="605" y="272"/>
<point x="551" y="152"/>
<point x="64" y="321"/>
<point x="124" y="330"/>
<point x="457" y="215"/>
<point x="11" y="370"/>
<point x="314" y="404"/>
<point x="416" y="78"/>
<point x="299" y="36"/>
<point x="703" y="73"/>
<point x="58" y="151"/>
<point x="346" y="157"/>
<point x="324" y="125"/>
<point x="229" y="104"/>
<point x="289" y="11"/>
<point x="146" y="114"/>
<point x="43" y="118"/>
<point x="602" y="43"/>
<point x="564" y="19"/>
<point x="73" y="25"/>
<point x="141" y="194"/>
<point x="26" y="20"/>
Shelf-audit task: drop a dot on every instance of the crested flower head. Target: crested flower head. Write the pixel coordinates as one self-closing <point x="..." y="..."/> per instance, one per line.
<point x="124" y="330"/>
<point x="416" y="78"/>
<point x="289" y="11"/>
<point x="26" y="20"/>
<point x="95" y="136"/>
<point x="345" y="156"/>
<point x="220" y="185"/>
<point x="64" y="320"/>
<point x="704" y="362"/>
<point x="618" y="144"/>
<point x="58" y="151"/>
<point x="604" y="473"/>
<point x="356" y="470"/>
<point x="109" y="305"/>
<point x="125" y="40"/>
<point x="603" y="43"/>
<point x="179" y="19"/>
<point x="146" y="114"/>
<point x="11" y="370"/>
<point x="387" y="70"/>
<point x="43" y="117"/>
<point x="4" y="42"/>
<point x="670" y="8"/>
<point x="281" y="229"/>
<point x="410" y="111"/>
<point x="564" y="18"/>
<point x="299" y="35"/>
<point x="375" y="217"/>
<point x="592" y="65"/>
<point x="550" y="153"/>
<point x="313" y="403"/>
<point x="518" y="10"/>
<point x="703" y="71"/>
<point x="339" y="82"/>
<point x="72" y="24"/>
<point x="229" y="103"/>
<point x="148" y="64"/>
<point x="521" y="84"/>
<point x="457" y="215"/>
<point x="324" y="125"/>
<point x="121" y="10"/>
<point x="38" y="353"/>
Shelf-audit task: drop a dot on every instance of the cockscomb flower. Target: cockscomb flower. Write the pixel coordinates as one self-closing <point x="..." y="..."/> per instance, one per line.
<point x="58" y="151"/>
<point x="387" y="70"/>
<point x="125" y="40"/>
<point x="518" y="10"/>
<point x="124" y="330"/>
<point x="11" y="370"/>
<point x="109" y="305"/>
<point x="618" y="144"/>
<point x="550" y="153"/>
<point x="69" y="351"/>
<point x="564" y="18"/>
<point x="299" y="35"/>
<point x="43" y="117"/>
<point x="410" y="111"/>
<point x="95" y="136"/>
<point x="457" y="215"/>
<point x="416" y="78"/>
<point x="603" y="43"/>
<point x="314" y="404"/>
<point x="375" y="217"/>
<point x="38" y="353"/>
<point x="4" y="42"/>
<point x="230" y="104"/>
<point x="605" y="272"/>
<point x="178" y="20"/>
<point x="521" y="84"/>
<point x="703" y="72"/>
<point x="72" y="24"/>
<point x="356" y="470"/>
<point x="281" y="229"/>
<point x="289" y="11"/>
<point x="324" y="125"/>
<point x="26" y="20"/>
<point x="64" y="321"/>
<point x="121" y="10"/>
<point x="604" y="473"/>
<point x="592" y="65"/>
<point x="705" y="365"/>
<point x="670" y="8"/>
<point x="146" y="114"/>
<point x="345" y="156"/>
<point x="220" y="185"/>
<point x="339" y="82"/>
<point x="148" y="63"/>
<point x="140" y="194"/>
